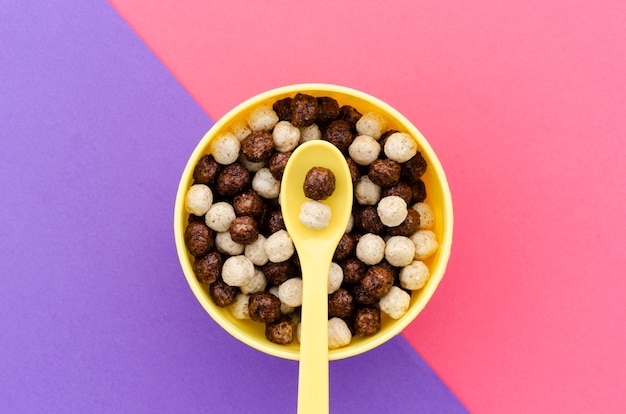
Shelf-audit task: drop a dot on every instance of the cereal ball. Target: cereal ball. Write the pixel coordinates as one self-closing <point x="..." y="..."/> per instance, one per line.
<point x="408" y="226"/>
<point x="425" y="244"/>
<point x="370" y="249"/>
<point x="198" y="199"/>
<point x="258" y="146"/>
<point x="290" y="292"/>
<point x="285" y="136"/>
<point x="255" y="251"/>
<point x="327" y="109"/>
<point x="265" y="184"/>
<point x="264" y="307"/>
<point x="239" y="307"/>
<point x="364" y="149"/>
<point x="240" y="129"/>
<point x="248" y="203"/>
<point x="282" y="331"/>
<point x="284" y="309"/>
<point x="282" y="107"/>
<point x="244" y="230"/>
<point x="392" y="210"/>
<point x="208" y="268"/>
<point x="418" y="190"/>
<point x="339" y="334"/>
<point x="225" y="148"/>
<point x="350" y="224"/>
<point x="367" y="321"/>
<point x="273" y="222"/>
<point x="237" y="270"/>
<point x="414" y="168"/>
<point x="278" y="162"/>
<point x="256" y="284"/>
<point x="366" y="192"/>
<point x="220" y="216"/>
<point x="395" y="271"/>
<point x="340" y="303"/>
<point x="233" y="179"/>
<point x="206" y="170"/>
<point x="377" y="281"/>
<point x="279" y="246"/>
<point x="353" y="270"/>
<point x="222" y="293"/>
<point x="249" y="165"/>
<point x="427" y="216"/>
<point x="315" y="214"/>
<point x="339" y="134"/>
<point x="262" y="118"/>
<point x="366" y="219"/>
<point x="345" y="247"/>
<point x="401" y="189"/>
<point x="350" y="115"/>
<point x="355" y="174"/>
<point x="303" y="110"/>
<point x="319" y="183"/>
<point x="414" y="276"/>
<point x="198" y="238"/>
<point x="385" y="173"/>
<point x="400" y="147"/>
<point x="335" y="277"/>
<point x="361" y="297"/>
<point x="395" y="303"/>
<point x="372" y="124"/>
<point x="225" y="244"/>
<point x="277" y="273"/>
<point x="310" y="133"/>
<point x="399" y="251"/>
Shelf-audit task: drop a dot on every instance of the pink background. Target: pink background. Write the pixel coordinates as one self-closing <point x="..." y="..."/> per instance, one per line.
<point x="524" y="103"/>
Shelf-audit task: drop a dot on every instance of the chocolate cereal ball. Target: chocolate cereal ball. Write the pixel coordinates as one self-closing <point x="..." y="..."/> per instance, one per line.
<point x="367" y="220"/>
<point x="327" y="110"/>
<point x="303" y="110"/>
<point x="377" y="281"/>
<point x="418" y="190"/>
<point x="244" y="230"/>
<point x="273" y="222"/>
<point x="258" y="146"/>
<point x="282" y="331"/>
<point x="339" y="134"/>
<point x="385" y="173"/>
<point x="199" y="238"/>
<point x="355" y="174"/>
<point x="233" y="179"/>
<point x="282" y="107"/>
<point x="345" y="247"/>
<point x="340" y="303"/>
<point x="278" y="162"/>
<point x="206" y="170"/>
<point x="414" y="168"/>
<point x="278" y="272"/>
<point x="222" y="293"/>
<point x="361" y="297"/>
<point x="208" y="267"/>
<point x="248" y="203"/>
<point x="401" y="189"/>
<point x="319" y="183"/>
<point x="353" y="270"/>
<point x="367" y="321"/>
<point x="264" y="307"/>
<point x="350" y="115"/>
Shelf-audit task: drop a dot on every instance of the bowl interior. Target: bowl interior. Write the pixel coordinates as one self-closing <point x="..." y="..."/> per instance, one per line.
<point x="438" y="197"/>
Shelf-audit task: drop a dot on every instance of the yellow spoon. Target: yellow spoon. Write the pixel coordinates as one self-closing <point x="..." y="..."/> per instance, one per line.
<point x="315" y="250"/>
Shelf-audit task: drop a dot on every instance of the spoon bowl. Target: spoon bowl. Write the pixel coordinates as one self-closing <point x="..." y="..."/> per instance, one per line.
<point x="315" y="249"/>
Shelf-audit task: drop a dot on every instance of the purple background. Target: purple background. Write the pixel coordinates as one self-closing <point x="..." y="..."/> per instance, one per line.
<point x="95" y="314"/>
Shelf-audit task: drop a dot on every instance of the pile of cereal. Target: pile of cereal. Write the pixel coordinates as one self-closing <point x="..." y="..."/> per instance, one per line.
<point x="243" y="253"/>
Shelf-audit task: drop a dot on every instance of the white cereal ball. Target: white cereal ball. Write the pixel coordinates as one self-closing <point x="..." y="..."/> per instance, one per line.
<point x="372" y="124"/>
<point x="265" y="184"/>
<point x="315" y="214"/>
<point x="364" y="150"/>
<point x="414" y="276"/>
<point x="240" y="129"/>
<point x="339" y="334"/>
<point x="237" y="270"/>
<point x="257" y="283"/>
<point x="310" y="133"/>
<point x="255" y="251"/>
<point x="366" y="192"/>
<point x="427" y="216"/>
<point x="239" y="308"/>
<point x="249" y="165"/>
<point x="370" y="249"/>
<point x="262" y="118"/>
<point x="286" y="136"/>
<point x="335" y="277"/>
<point x="399" y="251"/>
<point x="284" y="308"/>
<point x="350" y="225"/>
<point x="392" y="210"/>
<point x="220" y="216"/>
<point x="395" y="303"/>
<point x="279" y="246"/>
<point x="225" y="244"/>
<point x="225" y="148"/>
<point x="198" y="199"/>
<point x="400" y="147"/>
<point x="290" y="292"/>
<point x="426" y="244"/>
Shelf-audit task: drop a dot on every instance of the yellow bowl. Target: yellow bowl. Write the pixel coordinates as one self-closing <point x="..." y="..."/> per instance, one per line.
<point x="438" y="197"/>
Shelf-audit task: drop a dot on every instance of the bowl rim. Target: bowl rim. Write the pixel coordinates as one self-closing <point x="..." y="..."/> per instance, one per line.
<point x="445" y="243"/>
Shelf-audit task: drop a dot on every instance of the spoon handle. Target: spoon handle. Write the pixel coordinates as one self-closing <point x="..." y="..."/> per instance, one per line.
<point x="313" y="374"/>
